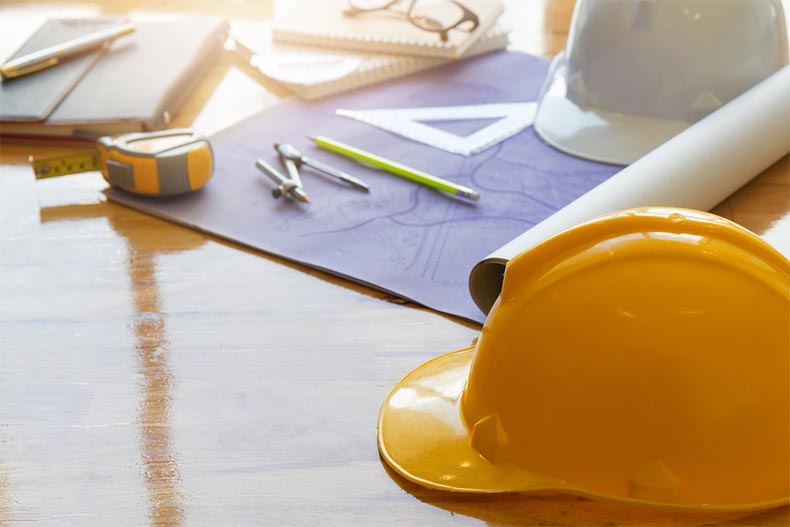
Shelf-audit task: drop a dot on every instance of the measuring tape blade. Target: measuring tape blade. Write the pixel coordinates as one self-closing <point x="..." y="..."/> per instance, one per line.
<point x="163" y="163"/>
<point x="65" y="165"/>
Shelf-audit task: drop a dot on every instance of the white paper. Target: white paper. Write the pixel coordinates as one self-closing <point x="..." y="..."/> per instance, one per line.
<point x="306" y="68"/>
<point x="696" y="169"/>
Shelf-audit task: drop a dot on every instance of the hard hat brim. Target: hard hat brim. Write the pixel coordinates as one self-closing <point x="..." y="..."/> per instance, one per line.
<point x="421" y="433"/>
<point x="423" y="437"/>
<point x="592" y="133"/>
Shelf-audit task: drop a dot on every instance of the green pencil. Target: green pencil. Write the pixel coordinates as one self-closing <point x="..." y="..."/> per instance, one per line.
<point x="394" y="168"/>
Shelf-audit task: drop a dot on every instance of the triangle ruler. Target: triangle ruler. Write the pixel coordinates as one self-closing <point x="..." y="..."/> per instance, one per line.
<point x="410" y="123"/>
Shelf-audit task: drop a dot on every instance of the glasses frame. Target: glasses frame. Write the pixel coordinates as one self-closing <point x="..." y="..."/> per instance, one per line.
<point x="468" y="16"/>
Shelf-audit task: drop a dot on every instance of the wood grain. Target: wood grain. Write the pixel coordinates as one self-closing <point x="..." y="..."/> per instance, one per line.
<point x="152" y="375"/>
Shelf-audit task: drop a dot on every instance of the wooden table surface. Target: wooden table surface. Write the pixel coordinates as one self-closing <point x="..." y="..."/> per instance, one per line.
<point x="152" y="375"/>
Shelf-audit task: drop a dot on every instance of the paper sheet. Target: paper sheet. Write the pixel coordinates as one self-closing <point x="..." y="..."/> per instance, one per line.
<point x="403" y="237"/>
<point x="696" y="169"/>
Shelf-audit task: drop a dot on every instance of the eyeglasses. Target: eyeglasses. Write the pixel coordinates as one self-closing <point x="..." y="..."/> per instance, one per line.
<point x="437" y="16"/>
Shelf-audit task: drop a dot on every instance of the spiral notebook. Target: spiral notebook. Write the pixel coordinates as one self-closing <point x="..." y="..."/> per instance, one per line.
<point x="369" y="68"/>
<point x="322" y="23"/>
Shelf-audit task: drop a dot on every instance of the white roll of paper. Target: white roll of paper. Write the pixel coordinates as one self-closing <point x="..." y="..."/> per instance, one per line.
<point x="696" y="169"/>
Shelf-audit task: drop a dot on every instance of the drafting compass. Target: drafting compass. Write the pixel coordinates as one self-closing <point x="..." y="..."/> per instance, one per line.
<point x="291" y="184"/>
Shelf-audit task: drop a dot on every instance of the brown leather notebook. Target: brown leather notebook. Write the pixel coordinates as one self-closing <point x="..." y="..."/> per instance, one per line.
<point x="137" y="85"/>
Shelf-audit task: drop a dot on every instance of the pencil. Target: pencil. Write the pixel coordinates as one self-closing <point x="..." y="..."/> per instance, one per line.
<point x="394" y="168"/>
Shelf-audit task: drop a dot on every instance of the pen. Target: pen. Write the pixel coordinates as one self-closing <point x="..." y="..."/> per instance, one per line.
<point x="44" y="58"/>
<point x="394" y="168"/>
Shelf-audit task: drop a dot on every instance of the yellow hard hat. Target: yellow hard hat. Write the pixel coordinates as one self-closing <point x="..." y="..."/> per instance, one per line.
<point x="641" y="357"/>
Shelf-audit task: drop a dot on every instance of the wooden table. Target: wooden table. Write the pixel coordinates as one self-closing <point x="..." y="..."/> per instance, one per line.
<point x="150" y="374"/>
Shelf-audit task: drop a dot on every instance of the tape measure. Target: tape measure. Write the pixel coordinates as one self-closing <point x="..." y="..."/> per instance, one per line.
<point x="162" y="163"/>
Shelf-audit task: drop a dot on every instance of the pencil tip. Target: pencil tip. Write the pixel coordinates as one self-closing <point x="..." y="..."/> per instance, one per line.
<point x="311" y="137"/>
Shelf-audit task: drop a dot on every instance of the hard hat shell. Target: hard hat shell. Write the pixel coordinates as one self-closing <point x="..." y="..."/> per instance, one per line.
<point x="635" y="73"/>
<point x="640" y="357"/>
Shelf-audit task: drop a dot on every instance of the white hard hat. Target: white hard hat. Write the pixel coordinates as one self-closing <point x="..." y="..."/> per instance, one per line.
<point x="635" y="73"/>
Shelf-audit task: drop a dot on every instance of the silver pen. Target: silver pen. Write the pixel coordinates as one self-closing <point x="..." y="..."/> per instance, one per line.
<point x="50" y="56"/>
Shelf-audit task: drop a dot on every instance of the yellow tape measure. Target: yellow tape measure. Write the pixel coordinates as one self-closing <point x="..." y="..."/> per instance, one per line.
<point x="162" y="163"/>
<point x="61" y="166"/>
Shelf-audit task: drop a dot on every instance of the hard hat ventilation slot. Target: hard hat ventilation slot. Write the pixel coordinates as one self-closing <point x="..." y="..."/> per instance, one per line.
<point x="488" y="438"/>
<point x="655" y="483"/>
<point x="643" y="18"/>
<point x="705" y="102"/>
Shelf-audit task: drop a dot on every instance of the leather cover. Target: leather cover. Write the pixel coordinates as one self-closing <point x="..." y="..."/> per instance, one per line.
<point x="139" y="83"/>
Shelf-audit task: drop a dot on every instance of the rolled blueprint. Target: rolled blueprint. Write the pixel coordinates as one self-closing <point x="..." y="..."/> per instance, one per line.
<point x="696" y="169"/>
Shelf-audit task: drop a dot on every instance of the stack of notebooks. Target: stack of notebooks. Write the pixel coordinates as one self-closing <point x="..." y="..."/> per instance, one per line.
<point x="338" y="52"/>
<point x="136" y="85"/>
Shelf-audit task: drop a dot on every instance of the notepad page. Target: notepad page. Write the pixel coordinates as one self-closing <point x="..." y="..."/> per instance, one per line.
<point x="322" y="23"/>
<point x="379" y="67"/>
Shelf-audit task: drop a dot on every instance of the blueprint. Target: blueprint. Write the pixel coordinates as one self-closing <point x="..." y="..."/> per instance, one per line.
<point x="404" y="238"/>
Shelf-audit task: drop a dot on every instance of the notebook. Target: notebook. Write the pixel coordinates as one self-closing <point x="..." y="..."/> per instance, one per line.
<point x="32" y="98"/>
<point x="366" y="68"/>
<point x="137" y="85"/>
<point x="322" y="23"/>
